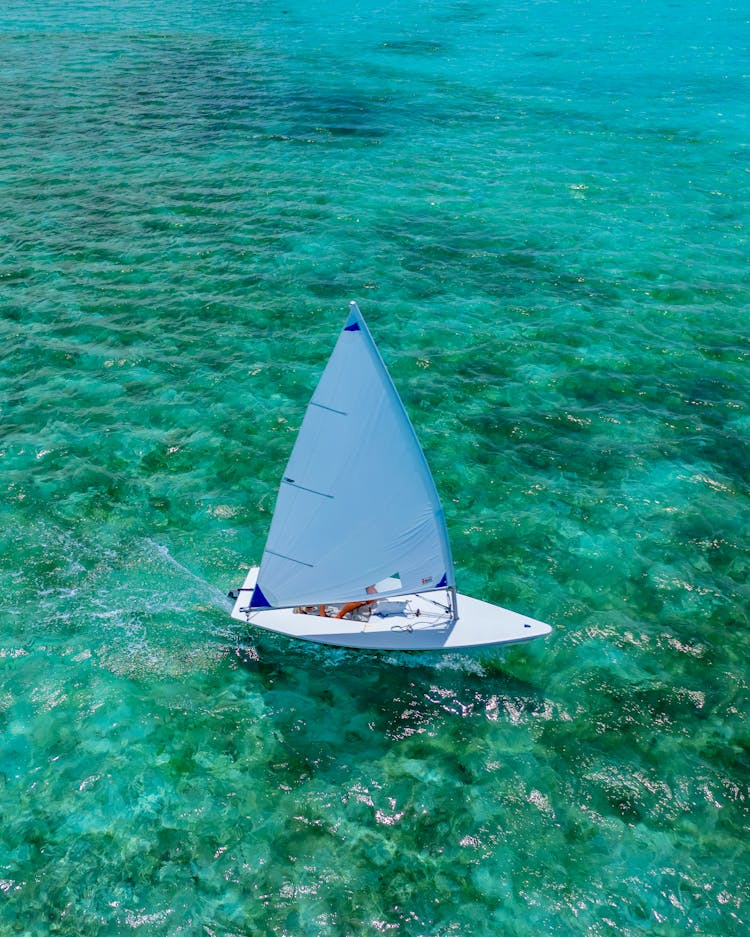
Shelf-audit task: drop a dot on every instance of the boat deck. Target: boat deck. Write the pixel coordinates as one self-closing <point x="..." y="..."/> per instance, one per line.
<point x="409" y="623"/>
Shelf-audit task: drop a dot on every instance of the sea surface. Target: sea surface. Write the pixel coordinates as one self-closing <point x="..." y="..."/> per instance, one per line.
<point x="542" y="209"/>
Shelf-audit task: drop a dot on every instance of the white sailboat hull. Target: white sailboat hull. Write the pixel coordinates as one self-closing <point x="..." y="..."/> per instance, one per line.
<point x="412" y="623"/>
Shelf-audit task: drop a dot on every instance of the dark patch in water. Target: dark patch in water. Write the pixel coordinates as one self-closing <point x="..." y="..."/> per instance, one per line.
<point x="414" y="47"/>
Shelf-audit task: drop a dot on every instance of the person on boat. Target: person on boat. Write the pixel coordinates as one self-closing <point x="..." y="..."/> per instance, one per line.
<point x="353" y="606"/>
<point x="326" y="611"/>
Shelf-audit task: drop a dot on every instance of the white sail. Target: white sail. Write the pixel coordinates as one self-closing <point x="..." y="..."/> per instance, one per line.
<point x="357" y="502"/>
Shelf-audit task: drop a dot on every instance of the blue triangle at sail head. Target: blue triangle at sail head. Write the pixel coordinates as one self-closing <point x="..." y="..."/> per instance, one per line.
<point x="352" y="323"/>
<point x="259" y="600"/>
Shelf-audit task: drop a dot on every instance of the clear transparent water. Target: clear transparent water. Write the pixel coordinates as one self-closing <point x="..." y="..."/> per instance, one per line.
<point x="543" y="212"/>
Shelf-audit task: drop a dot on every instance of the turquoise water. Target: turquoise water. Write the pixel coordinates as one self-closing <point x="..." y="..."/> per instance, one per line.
<point x="543" y="213"/>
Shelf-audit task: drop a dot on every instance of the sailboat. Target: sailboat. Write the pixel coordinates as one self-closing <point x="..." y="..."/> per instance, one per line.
<point x="357" y="553"/>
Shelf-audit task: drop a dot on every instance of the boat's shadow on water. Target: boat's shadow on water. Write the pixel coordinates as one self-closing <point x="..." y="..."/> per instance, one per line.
<point x="276" y="658"/>
<point x="345" y="720"/>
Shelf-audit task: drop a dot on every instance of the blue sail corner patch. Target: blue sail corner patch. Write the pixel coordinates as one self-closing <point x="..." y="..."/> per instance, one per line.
<point x="259" y="600"/>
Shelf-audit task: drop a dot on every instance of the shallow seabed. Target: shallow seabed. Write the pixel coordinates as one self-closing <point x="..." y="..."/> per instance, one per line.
<point x="543" y="212"/>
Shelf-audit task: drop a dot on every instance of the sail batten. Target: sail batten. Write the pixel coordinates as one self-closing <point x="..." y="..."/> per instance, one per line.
<point x="312" y="491"/>
<point x="291" y="559"/>
<point x="357" y="498"/>
<point x="314" y="403"/>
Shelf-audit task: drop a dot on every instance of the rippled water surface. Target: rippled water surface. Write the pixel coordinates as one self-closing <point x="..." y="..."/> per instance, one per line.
<point x="542" y="209"/>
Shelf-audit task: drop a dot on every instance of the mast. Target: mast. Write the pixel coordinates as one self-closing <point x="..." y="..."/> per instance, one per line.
<point x="454" y="603"/>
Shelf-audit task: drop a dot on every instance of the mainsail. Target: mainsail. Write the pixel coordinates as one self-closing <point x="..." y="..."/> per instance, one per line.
<point x="357" y="503"/>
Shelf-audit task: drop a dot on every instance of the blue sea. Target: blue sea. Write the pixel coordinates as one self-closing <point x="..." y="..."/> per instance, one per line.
<point x="543" y="210"/>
